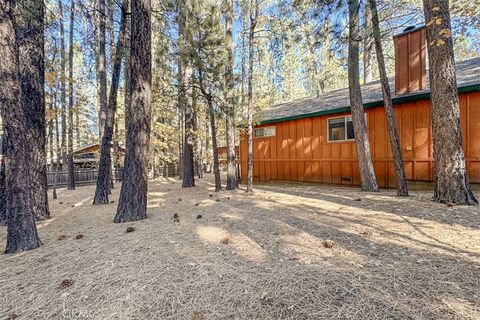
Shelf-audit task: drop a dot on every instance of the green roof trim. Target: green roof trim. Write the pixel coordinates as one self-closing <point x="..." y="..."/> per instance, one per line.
<point x="379" y="103"/>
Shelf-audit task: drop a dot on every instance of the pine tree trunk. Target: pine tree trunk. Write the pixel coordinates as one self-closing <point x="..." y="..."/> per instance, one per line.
<point x="188" y="176"/>
<point x="127" y="84"/>
<point x="216" y="162"/>
<point x="213" y="127"/>
<point x="133" y="193"/>
<point x="116" y="151"/>
<point x="71" y="169"/>
<point x="57" y="163"/>
<point x="103" y="185"/>
<point x="3" y="194"/>
<point x="21" y="230"/>
<point x="230" y="108"/>
<point x="251" y="39"/>
<point x="110" y="26"/>
<point x="208" y="157"/>
<point x="29" y="24"/>
<point x="367" y="173"/>
<point x="181" y="135"/>
<point x="51" y="152"/>
<point x="78" y="139"/>
<point x="181" y="88"/>
<point x="451" y="178"/>
<point x="101" y="69"/>
<point x="63" y="86"/>
<point x="196" y="143"/>
<point x="244" y="13"/>
<point x="402" y="189"/>
<point x="185" y="69"/>
<point x="367" y="46"/>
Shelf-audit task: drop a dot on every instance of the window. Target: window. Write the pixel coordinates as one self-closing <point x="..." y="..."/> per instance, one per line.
<point x="264" y="132"/>
<point x="340" y="129"/>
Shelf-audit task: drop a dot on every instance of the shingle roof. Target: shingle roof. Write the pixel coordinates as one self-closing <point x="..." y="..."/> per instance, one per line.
<point x="468" y="75"/>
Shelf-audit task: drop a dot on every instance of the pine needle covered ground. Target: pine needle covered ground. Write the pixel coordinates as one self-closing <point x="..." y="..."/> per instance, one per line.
<point x="293" y="251"/>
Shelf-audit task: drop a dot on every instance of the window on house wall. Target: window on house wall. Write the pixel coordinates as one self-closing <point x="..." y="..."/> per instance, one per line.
<point x="340" y="129"/>
<point x="264" y="132"/>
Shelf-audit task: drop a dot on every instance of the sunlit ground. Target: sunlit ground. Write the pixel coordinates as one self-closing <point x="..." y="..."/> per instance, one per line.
<point x="288" y="251"/>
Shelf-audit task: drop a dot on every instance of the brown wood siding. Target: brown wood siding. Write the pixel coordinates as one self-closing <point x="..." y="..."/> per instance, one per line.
<point x="410" y="58"/>
<point x="300" y="151"/>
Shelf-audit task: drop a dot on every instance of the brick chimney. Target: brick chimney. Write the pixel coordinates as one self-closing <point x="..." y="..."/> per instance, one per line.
<point x="410" y="60"/>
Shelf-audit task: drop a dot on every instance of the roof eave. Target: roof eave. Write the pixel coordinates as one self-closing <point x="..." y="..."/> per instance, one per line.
<point x="378" y="103"/>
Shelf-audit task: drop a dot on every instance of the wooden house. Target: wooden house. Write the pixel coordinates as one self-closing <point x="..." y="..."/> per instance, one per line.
<point x="86" y="157"/>
<point x="311" y="139"/>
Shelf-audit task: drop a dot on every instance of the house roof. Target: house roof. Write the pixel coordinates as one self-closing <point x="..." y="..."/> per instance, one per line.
<point x="93" y="147"/>
<point x="468" y="79"/>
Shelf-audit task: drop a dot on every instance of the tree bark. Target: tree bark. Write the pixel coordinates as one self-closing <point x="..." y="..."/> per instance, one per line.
<point x="251" y="39"/>
<point x="230" y="99"/>
<point x="29" y="24"/>
<point x="451" y="178"/>
<point x="188" y="176"/>
<point x="216" y="162"/>
<point x="401" y="180"/>
<point x="71" y="169"/>
<point x="3" y="194"/>
<point x="78" y="139"/>
<point x="128" y="86"/>
<point x="57" y="140"/>
<point x="185" y="69"/>
<point x="21" y="230"/>
<point x="51" y="152"/>
<point x="367" y="173"/>
<point x="103" y="181"/>
<point x="63" y="86"/>
<point x="181" y="135"/>
<point x="244" y="13"/>
<point x="208" y="158"/>
<point x="101" y="69"/>
<point x="57" y="164"/>
<point x="213" y="127"/>
<point x="367" y="46"/>
<point x="133" y="193"/>
<point x="196" y="142"/>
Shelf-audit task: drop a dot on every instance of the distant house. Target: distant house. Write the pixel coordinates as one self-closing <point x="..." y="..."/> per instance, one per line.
<point x="312" y="139"/>
<point x="86" y="157"/>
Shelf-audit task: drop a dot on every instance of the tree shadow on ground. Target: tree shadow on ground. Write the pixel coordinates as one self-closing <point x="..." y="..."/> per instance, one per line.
<point x="419" y="204"/>
<point x="386" y="275"/>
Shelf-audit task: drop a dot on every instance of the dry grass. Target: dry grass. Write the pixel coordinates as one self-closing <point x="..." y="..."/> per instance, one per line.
<point x="292" y="252"/>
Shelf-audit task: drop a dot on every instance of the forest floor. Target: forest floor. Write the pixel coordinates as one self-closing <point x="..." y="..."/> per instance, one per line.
<point x="287" y="251"/>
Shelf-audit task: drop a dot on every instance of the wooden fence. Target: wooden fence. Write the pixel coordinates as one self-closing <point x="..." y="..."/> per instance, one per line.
<point x="81" y="177"/>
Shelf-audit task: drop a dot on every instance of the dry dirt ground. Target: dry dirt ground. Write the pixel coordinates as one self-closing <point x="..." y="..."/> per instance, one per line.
<point x="265" y="255"/>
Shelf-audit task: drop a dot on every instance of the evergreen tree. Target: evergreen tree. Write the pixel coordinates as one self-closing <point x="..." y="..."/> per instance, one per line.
<point x="230" y="100"/>
<point x="368" y="180"/>
<point x="254" y="11"/>
<point x="103" y="183"/>
<point x="29" y="25"/>
<point x="71" y="168"/>
<point x="451" y="178"/>
<point x="133" y="193"/>
<point x="185" y="75"/>
<point x="21" y="232"/>
<point x="401" y="179"/>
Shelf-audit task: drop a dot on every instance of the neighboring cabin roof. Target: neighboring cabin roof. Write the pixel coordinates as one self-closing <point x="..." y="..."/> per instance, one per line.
<point x="468" y="79"/>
